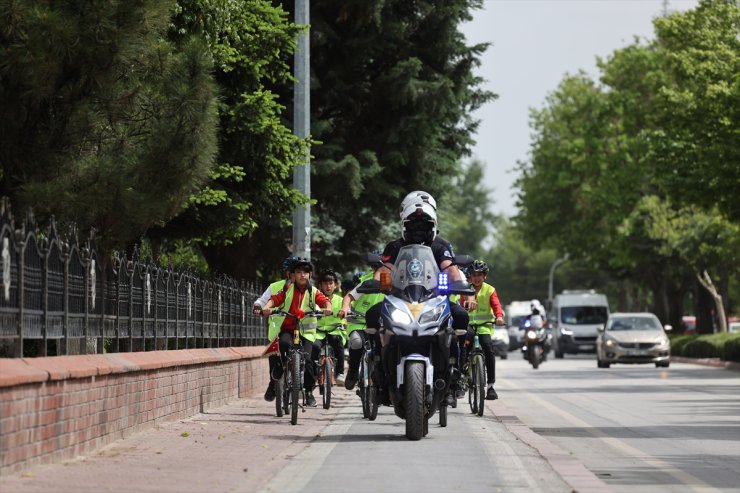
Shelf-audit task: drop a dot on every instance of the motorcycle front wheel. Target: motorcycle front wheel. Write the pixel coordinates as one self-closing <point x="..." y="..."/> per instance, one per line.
<point x="534" y="355"/>
<point x="413" y="399"/>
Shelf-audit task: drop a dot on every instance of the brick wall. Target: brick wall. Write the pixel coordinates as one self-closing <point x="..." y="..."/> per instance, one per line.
<point x="60" y="407"/>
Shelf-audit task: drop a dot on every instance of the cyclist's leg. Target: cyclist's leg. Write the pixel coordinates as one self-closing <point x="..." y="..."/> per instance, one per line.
<point x="312" y="350"/>
<point x="336" y="345"/>
<point x="356" y="340"/>
<point x="487" y="345"/>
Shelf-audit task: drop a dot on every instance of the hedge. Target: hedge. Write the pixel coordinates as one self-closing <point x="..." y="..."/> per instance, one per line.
<point x="724" y="346"/>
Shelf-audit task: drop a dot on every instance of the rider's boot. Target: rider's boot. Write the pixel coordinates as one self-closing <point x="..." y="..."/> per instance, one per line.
<point x="353" y="367"/>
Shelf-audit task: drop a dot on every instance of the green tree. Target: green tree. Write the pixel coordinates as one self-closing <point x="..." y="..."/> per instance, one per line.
<point x="250" y="188"/>
<point x="392" y="93"/>
<point x="103" y="121"/>
<point x="465" y="216"/>
<point x="695" y="139"/>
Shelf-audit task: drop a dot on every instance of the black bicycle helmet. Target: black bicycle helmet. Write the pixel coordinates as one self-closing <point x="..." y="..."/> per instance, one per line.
<point x="328" y="275"/>
<point x="288" y="263"/>
<point x="478" y="266"/>
<point x="302" y="263"/>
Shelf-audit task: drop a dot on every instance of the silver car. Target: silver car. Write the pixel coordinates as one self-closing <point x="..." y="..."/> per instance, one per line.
<point x="633" y="338"/>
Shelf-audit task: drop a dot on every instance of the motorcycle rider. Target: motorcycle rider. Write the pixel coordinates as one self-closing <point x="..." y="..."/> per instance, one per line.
<point x="482" y="320"/>
<point x="418" y="213"/>
<point x="538" y="321"/>
<point x="300" y="297"/>
<point x="337" y="336"/>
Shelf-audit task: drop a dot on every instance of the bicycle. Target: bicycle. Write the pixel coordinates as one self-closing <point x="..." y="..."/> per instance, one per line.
<point x="289" y="387"/>
<point x="367" y="381"/>
<point x="327" y="363"/>
<point x="474" y="372"/>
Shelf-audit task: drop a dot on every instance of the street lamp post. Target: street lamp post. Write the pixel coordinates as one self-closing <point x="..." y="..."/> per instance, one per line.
<point x="552" y="274"/>
<point x="302" y="129"/>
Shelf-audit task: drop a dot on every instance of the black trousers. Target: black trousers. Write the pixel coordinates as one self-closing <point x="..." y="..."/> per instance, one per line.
<point x="335" y="342"/>
<point x="285" y="341"/>
<point x="486" y="344"/>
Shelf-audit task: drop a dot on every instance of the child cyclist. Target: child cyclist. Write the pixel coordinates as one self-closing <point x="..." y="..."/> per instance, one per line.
<point x="300" y="297"/>
<point x="332" y="328"/>
<point x="482" y="319"/>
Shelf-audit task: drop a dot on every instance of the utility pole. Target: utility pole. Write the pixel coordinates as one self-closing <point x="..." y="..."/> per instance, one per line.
<point x="302" y="129"/>
<point x="552" y="274"/>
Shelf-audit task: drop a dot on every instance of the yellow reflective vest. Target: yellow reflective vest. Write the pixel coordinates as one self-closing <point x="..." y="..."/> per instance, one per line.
<point x="333" y="325"/>
<point x="307" y="324"/>
<point x="363" y="303"/>
<point x="483" y="317"/>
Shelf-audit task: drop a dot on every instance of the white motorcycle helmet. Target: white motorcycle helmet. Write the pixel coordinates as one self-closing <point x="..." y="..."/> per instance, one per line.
<point x="422" y="204"/>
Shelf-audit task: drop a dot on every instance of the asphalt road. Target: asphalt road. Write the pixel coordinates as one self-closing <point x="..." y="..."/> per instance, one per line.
<point x="637" y="427"/>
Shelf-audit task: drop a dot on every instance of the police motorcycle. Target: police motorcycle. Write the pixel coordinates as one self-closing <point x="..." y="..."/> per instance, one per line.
<point x="535" y="341"/>
<point x="416" y="322"/>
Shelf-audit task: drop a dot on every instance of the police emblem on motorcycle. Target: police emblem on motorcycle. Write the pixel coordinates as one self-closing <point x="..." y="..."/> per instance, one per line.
<point x="414" y="269"/>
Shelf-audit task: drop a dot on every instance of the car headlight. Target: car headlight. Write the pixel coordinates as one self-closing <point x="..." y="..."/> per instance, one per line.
<point x="431" y="315"/>
<point x="566" y="332"/>
<point x="400" y="317"/>
<point x="663" y="342"/>
<point x="610" y="342"/>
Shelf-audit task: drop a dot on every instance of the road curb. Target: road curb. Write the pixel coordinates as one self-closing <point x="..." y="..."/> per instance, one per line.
<point x="715" y="362"/>
<point x="570" y="469"/>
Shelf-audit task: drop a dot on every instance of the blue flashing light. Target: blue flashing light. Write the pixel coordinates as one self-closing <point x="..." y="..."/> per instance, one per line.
<point x="442" y="283"/>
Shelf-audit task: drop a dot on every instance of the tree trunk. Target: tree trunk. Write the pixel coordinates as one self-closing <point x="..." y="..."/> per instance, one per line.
<point x="706" y="281"/>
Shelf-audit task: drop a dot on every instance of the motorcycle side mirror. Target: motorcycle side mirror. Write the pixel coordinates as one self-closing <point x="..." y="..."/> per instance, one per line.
<point x="371" y="286"/>
<point x="463" y="260"/>
<point x="373" y="259"/>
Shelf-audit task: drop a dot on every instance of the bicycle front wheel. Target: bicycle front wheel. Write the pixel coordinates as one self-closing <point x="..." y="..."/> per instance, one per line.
<point x="480" y="382"/>
<point x="295" y="369"/>
<point x="279" y="396"/>
<point x="328" y="369"/>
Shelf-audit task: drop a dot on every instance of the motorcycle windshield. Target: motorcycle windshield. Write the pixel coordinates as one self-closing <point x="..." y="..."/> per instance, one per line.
<point x="416" y="272"/>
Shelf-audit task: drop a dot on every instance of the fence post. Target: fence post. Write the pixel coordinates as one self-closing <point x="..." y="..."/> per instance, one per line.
<point x="21" y="294"/>
<point x="65" y="296"/>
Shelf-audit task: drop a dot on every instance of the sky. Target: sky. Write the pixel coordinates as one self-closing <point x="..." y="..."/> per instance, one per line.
<point x="535" y="43"/>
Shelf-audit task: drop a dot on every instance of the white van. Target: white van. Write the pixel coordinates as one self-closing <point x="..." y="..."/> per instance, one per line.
<point x="576" y="317"/>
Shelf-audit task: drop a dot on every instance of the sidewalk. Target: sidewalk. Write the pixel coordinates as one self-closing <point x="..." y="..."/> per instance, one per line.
<point x="236" y="447"/>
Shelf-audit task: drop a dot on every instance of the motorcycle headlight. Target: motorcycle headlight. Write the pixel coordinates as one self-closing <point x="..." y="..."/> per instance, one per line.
<point x="531" y="334"/>
<point x="400" y="317"/>
<point x="431" y="315"/>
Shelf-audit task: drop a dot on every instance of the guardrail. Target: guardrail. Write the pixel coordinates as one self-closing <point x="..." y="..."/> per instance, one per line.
<point x="58" y="297"/>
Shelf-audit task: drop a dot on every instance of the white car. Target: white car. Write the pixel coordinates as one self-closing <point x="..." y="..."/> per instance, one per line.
<point x="633" y="338"/>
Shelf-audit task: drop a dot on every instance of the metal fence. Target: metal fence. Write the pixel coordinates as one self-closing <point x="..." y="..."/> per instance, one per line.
<point x="58" y="297"/>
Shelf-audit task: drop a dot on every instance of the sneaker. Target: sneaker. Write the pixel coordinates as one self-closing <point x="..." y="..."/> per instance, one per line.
<point x="491" y="394"/>
<point x="350" y="382"/>
<point x="340" y="379"/>
<point x="270" y="392"/>
<point x="310" y="401"/>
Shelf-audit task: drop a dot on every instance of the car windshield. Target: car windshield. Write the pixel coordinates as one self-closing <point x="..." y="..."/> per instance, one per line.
<point x="583" y="315"/>
<point x="633" y="323"/>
